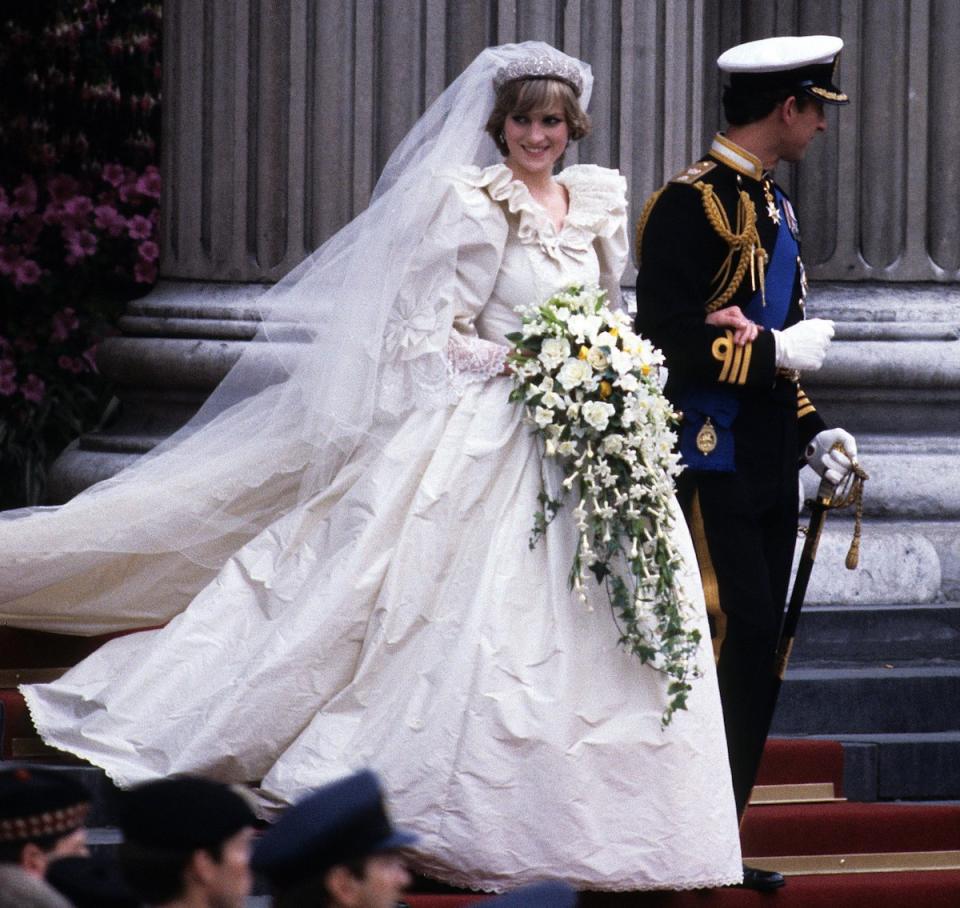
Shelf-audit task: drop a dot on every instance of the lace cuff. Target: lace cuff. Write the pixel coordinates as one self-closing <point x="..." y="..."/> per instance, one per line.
<point x="472" y="359"/>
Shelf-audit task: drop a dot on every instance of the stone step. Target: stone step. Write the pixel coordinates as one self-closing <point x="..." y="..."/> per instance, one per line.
<point x="888" y="634"/>
<point x="871" y="699"/>
<point x="884" y="303"/>
<point x="910" y="479"/>
<point x="898" y="563"/>
<point x="895" y="364"/>
<point x="905" y="766"/>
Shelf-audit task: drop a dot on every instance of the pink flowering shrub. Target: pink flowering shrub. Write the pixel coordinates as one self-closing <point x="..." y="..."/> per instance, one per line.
<point x="79" y="197"/>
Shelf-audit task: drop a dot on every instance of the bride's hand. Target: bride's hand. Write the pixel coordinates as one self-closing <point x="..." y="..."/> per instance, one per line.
<point x="745" y="331"/>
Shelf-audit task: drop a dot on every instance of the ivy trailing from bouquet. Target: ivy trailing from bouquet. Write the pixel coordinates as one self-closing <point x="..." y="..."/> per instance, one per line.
<point x="590" y="388"/>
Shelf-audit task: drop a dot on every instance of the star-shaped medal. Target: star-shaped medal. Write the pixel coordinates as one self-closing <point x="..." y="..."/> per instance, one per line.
<point x="773" y="212"/>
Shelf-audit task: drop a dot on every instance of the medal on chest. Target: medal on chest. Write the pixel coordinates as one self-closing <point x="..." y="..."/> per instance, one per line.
<point x="772" y="211"/>
<point x="791" y="216"/>
<point x="706" y="437"/>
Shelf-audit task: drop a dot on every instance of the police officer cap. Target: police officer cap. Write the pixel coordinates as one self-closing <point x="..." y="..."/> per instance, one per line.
<point x="337" y="823"/>
<point x="553" y="894"/>
<point x="38" y="803"/>
<point x="807" y="64"/>
<point x="183" y="813"/>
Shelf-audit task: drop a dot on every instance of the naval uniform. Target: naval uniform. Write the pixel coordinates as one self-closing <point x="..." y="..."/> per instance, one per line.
<point x="720" y="234"/>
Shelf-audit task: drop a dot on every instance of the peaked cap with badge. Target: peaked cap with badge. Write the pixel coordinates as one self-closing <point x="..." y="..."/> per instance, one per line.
<point x="807" y="64"/>
<point x="722" y="233"/>
<point x="335" y="824"/>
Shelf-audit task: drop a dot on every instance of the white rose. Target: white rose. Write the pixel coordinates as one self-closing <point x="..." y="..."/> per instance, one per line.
<point x="574" y="372"/>
<point x="566" y="449"/>
<point x="612" y="444"/>
<point x="584" y="326"/>
<point x="597" y="414"/>
<point x="553" y="352"/>
<point x="597" y="358"/>
<point x="552" y="400"/>
<point x="622" y="362"/>
<point x="628" y="381"/>
<point x="604" y="339"/>
<point x="543" y="417"/>
<point x="562" y="313"/>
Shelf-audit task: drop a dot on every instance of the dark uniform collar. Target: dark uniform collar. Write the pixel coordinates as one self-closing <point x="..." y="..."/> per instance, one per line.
<point x="741" y="160"/>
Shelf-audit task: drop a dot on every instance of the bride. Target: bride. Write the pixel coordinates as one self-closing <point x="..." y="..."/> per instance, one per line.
<point x="333" y="555"/>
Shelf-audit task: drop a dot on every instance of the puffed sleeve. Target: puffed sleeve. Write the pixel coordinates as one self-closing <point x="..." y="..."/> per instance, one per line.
<point x="430" y="345"/>
<point x="601" y="213"/>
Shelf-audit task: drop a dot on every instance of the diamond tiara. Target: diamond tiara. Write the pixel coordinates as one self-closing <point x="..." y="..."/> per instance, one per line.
<point x="541" y="66"/>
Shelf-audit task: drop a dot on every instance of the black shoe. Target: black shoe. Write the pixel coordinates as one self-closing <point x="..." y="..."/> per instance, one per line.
<point x="761" y="880"/>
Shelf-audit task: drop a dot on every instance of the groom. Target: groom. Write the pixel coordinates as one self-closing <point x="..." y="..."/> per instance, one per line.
<point x="721" y="290"/>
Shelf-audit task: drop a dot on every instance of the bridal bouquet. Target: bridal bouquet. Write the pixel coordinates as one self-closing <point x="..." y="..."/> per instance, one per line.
<point x="590" y="388"/>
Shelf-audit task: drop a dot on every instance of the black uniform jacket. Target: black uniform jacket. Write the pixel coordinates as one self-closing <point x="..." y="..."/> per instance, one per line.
<point x="704" y="242"/>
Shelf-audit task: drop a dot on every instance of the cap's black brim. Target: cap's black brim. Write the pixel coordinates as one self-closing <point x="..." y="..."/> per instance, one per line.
<point x="831" y="95"/>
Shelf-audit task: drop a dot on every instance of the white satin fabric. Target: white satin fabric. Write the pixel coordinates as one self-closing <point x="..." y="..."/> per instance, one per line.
<point x="398" y="619"/>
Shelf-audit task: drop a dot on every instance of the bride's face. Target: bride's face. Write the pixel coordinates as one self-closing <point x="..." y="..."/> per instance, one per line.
<point x="536" y="140"/>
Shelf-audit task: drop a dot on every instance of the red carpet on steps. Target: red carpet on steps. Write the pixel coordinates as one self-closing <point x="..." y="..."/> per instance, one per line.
<point x="797" y="761"/>
<point x="930" y="889"/>
<point x="784" y="829"/>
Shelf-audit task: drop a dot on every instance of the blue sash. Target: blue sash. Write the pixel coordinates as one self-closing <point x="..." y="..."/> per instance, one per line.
<point x="720" y="404"/>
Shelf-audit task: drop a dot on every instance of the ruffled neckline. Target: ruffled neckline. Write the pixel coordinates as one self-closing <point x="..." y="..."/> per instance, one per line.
<point x="597" y="204"/>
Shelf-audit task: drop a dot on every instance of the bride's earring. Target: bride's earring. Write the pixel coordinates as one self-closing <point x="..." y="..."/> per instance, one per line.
<point x="502" y="138"/>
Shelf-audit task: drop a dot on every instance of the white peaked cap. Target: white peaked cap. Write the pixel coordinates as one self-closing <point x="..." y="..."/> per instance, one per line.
<point x="770" y="55"/>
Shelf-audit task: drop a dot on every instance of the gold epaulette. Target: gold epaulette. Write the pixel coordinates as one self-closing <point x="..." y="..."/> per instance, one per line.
<point x="688" y="175"/>
<point x="694" y="172"/>
<point x="745" y="249"/>
<point x="642" y="223"/>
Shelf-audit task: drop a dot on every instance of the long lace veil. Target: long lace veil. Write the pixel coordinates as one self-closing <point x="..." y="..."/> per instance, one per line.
<point x="343" y="353"/>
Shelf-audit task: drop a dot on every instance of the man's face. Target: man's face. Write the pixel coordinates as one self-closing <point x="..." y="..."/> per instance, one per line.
<point x="383" y="883"/>
<point x="230" y="881"/>
<point x="800" y="125"/>
<point x="35" y="859"/>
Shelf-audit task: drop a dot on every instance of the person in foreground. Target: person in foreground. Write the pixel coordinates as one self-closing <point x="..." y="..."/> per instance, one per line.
<point x="42" y="813"/>
<point x="339" y="543"/>
<point x="186" y="844"/>
<point x="336" y="848"/>
<point x="721" y="289"/>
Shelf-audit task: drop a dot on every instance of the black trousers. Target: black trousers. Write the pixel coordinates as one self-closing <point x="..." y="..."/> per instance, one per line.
<point x="744" y="526"/>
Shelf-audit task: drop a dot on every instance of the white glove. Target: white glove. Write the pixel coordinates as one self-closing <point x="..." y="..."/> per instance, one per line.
<point x="832" y="465"/>
<point x="803" y="345"/>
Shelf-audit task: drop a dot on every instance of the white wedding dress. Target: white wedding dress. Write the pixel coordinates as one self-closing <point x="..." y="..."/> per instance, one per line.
<point x="398" y="619"/>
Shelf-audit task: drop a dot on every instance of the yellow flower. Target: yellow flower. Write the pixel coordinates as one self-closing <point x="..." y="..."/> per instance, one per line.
<point x="583" y="353"/>
<point x="614" y="331"/>
<point x="606" y="389"/>
<point x="645" y="369"/>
